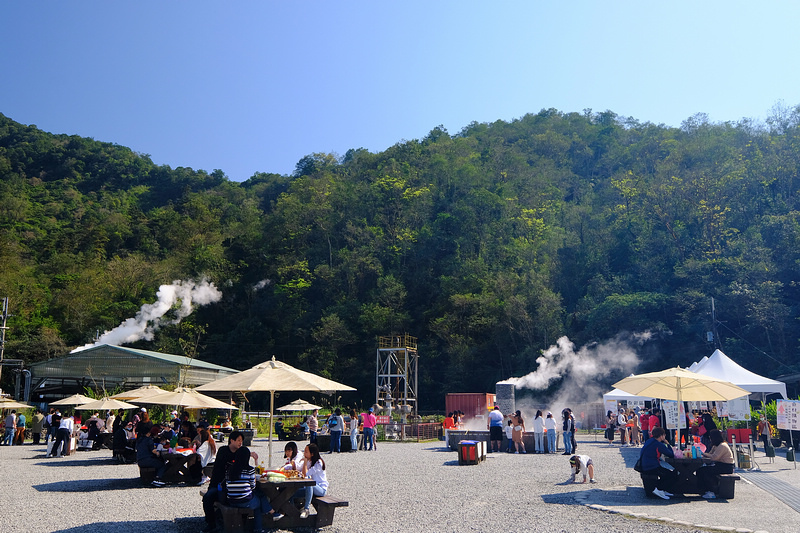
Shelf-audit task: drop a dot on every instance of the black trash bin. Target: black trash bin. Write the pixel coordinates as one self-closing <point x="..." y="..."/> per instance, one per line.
<point x="248" y="435"/>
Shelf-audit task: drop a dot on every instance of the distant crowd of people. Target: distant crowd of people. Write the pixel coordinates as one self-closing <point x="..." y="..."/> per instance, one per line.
<point x="545" y="431"/>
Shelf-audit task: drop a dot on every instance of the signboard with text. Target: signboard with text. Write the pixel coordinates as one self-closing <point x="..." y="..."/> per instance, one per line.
<point x="739" y="409"/>
<point x="672" y="416"/>
<point x="788" y="414"/>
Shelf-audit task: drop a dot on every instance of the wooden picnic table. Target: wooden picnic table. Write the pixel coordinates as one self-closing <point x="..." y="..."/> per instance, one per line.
<point x="178" y="466"/>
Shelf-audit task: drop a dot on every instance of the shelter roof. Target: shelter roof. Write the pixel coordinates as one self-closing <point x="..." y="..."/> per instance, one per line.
<point x="721" y="366"/>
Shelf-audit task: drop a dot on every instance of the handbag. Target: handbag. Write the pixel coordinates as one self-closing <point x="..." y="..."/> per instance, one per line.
<point x="701" y="430"/>
<point x="638" y="465"/>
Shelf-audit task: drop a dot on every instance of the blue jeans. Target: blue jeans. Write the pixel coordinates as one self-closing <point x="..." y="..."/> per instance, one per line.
<point x="310" y="492"/>
<point x="551" y="441"/>
<point x="312" y="437"/>
<point x="538" y="440"/>
<point x="260" y="505"/>
<point x="368" y="432"/>
<point x="567" y="442"/>
<point x="336" y="441"/>
<point x="354" y="440"/>
<point x="8" y="436"/>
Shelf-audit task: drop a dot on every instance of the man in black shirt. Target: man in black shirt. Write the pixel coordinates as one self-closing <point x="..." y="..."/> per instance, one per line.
<point x="230" y="459"/>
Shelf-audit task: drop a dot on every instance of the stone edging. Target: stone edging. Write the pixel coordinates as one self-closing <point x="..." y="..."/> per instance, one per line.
<point x="584" y="496"/>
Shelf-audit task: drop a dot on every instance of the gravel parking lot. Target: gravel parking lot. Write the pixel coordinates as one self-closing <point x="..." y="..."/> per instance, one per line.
<point x="400" y="487"/>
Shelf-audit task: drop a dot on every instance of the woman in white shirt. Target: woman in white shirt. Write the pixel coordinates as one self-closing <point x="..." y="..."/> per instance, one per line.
<point x="538" y="432"/>
<point x="207" y="449"/>
<point x="550" y="426"/>
<point x="314" y="468"/>
<point x="353" y="431"/>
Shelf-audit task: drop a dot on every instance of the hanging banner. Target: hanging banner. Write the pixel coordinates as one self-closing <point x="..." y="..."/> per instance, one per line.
<point x="611" y="405"/>
<point x="788" y="414"/>
<point x="670" y="408"/>
<point x="739" y="409"/>
<point x="633" y="404"/>
<point x="698" y="406"/>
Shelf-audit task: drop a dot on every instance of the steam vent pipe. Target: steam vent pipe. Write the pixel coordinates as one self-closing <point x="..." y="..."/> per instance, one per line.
<point x="504" y="396"/>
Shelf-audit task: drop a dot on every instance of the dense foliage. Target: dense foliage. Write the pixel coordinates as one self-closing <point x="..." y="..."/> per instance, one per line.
<point x="487" y="245"/>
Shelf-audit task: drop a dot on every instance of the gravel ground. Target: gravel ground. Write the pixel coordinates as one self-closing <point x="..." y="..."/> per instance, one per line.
<point x="399" y="487"/>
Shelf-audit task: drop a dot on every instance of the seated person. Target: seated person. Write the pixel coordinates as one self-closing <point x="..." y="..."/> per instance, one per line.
<point x="163" y="444"/>
<point x="226" y="425"/>
<point x="148" y="457"/>
<point x="123" y="448"/>
<point x="184" y="443"/>
<point x="651" y="466"/>
<point x="720" y="461"/>
<point x="233" y="471"/>
<point x="279" y="429"/>
<point x="83" y="438"/>
<point x="187" y="430"/>
<point x="313" y="467"/>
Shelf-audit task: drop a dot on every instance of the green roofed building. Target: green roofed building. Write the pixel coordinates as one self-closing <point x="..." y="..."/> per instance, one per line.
<point x="110" y="367"/>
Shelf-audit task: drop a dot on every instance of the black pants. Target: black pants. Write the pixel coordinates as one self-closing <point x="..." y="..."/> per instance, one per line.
<point x="708" y="476"/>
<point x="36" y="437"/>
<point x="62" y="439"/>
<point x="212" y="495"/>
<point x="667" y="480"/>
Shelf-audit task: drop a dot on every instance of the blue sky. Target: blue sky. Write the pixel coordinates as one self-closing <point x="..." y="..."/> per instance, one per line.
<point x="254" y="86"/>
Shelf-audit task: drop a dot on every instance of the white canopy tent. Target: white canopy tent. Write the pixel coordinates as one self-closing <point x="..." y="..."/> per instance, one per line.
<point x="693" y="366"/>
<point x="721" y="366"/>
<point x="618" y="395"/>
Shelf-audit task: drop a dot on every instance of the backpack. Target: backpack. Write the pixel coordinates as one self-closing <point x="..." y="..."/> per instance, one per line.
<point x="334" y="421"/>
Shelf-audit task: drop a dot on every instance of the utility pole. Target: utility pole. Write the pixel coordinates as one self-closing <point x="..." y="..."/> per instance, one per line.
<point x="714" y="325"/>
<point x="3" y="329"/>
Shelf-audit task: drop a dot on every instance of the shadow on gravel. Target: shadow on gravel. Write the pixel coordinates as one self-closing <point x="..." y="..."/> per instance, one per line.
<point x="630" y="456"/>
<point x="145" y="525"/>
<point x="90" y="485"/>
<point x="58" y="461"/>
<point x="561" y="498"/>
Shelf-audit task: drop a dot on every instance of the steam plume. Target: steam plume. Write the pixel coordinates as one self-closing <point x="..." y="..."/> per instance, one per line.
<point x="582" y="372"/>
<point x="186" y="295"/>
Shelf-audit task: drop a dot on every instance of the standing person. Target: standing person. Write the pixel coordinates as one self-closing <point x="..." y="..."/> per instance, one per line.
<point x="567" y="428"/>
<point x="622" y="424"/>
<point x="538" y="432"/>
<point x="581" y="464"/>
<point x="109" y="422"/>
<point x="550" y="427"/>
<point x="509" y="429"/>
<point x="313" y="426"/>
<point x="11" y="428"/>
<point x="119" y="421"/>
<point x="519" y="431"/>
<point x="709" y="425"/>
<point x="37" y="426"/>
<point x="611" y="423"/>
<point x="651" y="466"/>
<point x="495" y="429"/>
<point x="19" y="436"/>
<point x="369" y="429"/>
<point x="63" y="436"/>
<point x="353" y="431"/>
<point x="721" y="458"/>
<point x="574" y="431"/>
<point x="633" y="421"/>
<point x="314" y="468"/>
<point x="764" y="431"/>
<point x="644" y="423"/>
<point x="336" y="426"/>
<point x="653" y="421"/>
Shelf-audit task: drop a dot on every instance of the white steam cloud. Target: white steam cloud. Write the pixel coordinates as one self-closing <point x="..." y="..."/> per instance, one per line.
<point x="581" y="372"/>
<point x="186" y="295"/>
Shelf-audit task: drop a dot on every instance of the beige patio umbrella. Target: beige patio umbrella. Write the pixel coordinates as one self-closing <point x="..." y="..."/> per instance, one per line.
<point x="298" y="405"/>
<point x="75" y="399"/>
<point x="274" y="376"/>
<point x="185" y="397"/>
<point x="141" y="392"/>
<point x="106" y="404"/>
<point x="681" y="385"/>
<point x="8" y="403"/>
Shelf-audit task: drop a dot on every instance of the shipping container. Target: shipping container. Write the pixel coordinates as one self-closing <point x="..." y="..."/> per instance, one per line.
<point x="472" y="404"/>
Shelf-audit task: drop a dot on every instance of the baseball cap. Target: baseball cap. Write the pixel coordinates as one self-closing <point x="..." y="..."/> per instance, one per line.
<point x="371" y="409"/>
<point x="143" y="410"/>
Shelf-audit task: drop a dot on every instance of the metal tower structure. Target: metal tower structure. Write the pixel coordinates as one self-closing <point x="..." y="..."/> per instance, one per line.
<point x="396" y="376"/>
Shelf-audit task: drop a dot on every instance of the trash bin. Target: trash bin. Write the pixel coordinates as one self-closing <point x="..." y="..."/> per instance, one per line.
<point x="790" y="454"/>
<point x="744" y="461"/>
<point x="248" y="435"/>
<point x="468" y="452"/>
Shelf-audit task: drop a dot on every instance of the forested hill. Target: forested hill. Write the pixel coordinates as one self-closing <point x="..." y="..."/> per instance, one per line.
<point x="487" y="245"/>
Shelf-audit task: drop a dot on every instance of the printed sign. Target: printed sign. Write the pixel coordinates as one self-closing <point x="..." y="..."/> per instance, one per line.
<point x="722" y="409"/>
<point x="698" y="406"/>
<point x="611" y="405"/>
<point x="788" y="414"/>
<point x="739" y="409"/>
<point x="670" y="408"/>
<point x="384" y="419"/>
